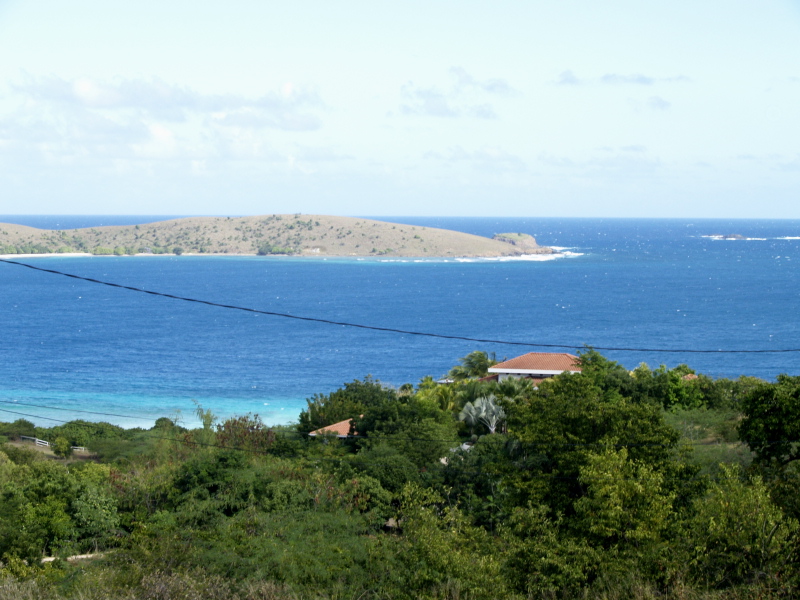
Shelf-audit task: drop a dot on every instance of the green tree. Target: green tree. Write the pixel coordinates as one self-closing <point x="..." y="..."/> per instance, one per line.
<point x="205" y="436"/>
<point x="771" y="423"/>
<point x="416" y="427"/>
<point x="444" y="549"/>
<point x="245" y="433"/>
<point x="347" y="402"/>
<point x="737" y="534"/>
<point x="18" y="428"/>
<point x="96" y="517"/>
<point x="569" y="417"/>
<point x="625" y="502"/>
<point x="668" y="387"/>
<point x="35" y="515"/>
<point x="387" y="465"/>
<point x="542" y="560"/>
<point x="61" y="447"/>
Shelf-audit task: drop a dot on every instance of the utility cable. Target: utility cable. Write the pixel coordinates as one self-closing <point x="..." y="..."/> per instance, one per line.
<point x="88" y="412"/>
<point x="390" y="329"/>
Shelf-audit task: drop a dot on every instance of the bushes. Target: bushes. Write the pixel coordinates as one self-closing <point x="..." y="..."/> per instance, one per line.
<point x="737" y="534"/>
<point x="588" y="494"/>
<point x="17" y="428"/>
<point x="387" y="465"/>
<point x="345" y="403"/>
<point x="268" y="249"/>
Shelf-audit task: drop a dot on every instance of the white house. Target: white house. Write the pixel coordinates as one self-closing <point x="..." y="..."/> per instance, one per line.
<point x="536" y="366"/>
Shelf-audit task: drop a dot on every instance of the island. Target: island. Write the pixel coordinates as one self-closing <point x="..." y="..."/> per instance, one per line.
<point x="278" y="234"/>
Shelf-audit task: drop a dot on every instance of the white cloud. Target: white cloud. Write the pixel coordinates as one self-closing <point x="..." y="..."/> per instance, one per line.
<point x="568" y="78"/>
<point x="320" y="154"/>
<point x="658" y="103"/>
<point x="428" y="102"/>
<point x="487" y="156"/>
<point x="483" y="111"/>
<point x="90" y="120"/>
<point x="637" y="79"/>
<point x="628" y="161"/>
<point x="791" y="165"/>
<point x="464" y="96"/>
<point x="160" y="100"/>
<point x="490" y="86"/>
<point x="255" y="118"/>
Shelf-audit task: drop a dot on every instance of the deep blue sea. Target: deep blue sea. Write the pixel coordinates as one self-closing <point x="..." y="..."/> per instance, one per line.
<point x="626" y="283"/>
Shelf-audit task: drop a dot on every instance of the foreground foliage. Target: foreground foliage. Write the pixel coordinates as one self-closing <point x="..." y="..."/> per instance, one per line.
<point x="591" y="485"/>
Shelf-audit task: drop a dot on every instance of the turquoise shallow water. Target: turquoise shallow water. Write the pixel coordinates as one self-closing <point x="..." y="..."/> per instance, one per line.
<point x="627" y="283"/>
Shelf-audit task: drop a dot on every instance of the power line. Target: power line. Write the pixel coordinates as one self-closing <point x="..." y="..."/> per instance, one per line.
<point x="389" y="329"/>
<point x="88" y="412"/>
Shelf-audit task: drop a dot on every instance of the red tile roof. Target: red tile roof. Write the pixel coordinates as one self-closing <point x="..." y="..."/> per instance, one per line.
<point x="539" y="361"/>
<point x="342" y="429"/>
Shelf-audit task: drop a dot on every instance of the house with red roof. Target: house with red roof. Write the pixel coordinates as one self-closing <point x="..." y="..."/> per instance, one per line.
<point x="340" y="429"/>
<point x="537" y="366"/>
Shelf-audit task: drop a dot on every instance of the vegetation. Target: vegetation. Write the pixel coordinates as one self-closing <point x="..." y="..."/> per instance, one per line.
<point x="598" y="484"/>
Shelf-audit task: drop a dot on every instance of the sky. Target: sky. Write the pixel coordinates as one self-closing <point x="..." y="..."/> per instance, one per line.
<point x="551" y="108"/>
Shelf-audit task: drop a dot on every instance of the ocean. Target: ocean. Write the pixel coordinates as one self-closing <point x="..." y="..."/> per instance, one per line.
<point x="637" y="284"/>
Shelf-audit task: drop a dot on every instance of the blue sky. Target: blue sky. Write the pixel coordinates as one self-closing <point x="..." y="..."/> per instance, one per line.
<point x="619" y="108"/>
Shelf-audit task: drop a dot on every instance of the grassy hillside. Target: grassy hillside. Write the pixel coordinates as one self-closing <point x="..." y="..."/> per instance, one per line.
<point x="271" y="234"/>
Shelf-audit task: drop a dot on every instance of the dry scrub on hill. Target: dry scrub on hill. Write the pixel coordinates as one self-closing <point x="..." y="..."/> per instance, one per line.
<point x="312" y="235"/>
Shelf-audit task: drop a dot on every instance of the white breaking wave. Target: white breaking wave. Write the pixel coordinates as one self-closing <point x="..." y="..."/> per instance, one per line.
<point x="562" y="252"/>
<point x="522" y="258"/>
<point x="723" y="238"/>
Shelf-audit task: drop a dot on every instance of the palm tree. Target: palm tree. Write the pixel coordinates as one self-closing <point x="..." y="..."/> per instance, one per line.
<point x="514" y="388"/>
<point x="484" y="410"/>
<point x="471" y="390"/>
<point x="445" y="396"/>
<point x="474" y="365"/>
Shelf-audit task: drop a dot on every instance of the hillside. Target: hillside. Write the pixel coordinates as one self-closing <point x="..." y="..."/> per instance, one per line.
<point x="312" y="235"/>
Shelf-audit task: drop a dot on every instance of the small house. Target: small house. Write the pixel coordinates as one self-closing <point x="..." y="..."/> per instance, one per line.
<point x="537" y="366"/>
<point x="340" y="429"/>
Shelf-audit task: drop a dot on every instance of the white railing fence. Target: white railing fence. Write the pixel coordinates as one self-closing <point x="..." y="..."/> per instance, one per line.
<point x="46" y="443"/>
<point x="37" y="440"/>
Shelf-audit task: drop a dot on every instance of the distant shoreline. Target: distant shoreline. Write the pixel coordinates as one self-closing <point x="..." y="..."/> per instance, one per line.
<point x="557" y="253"/>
